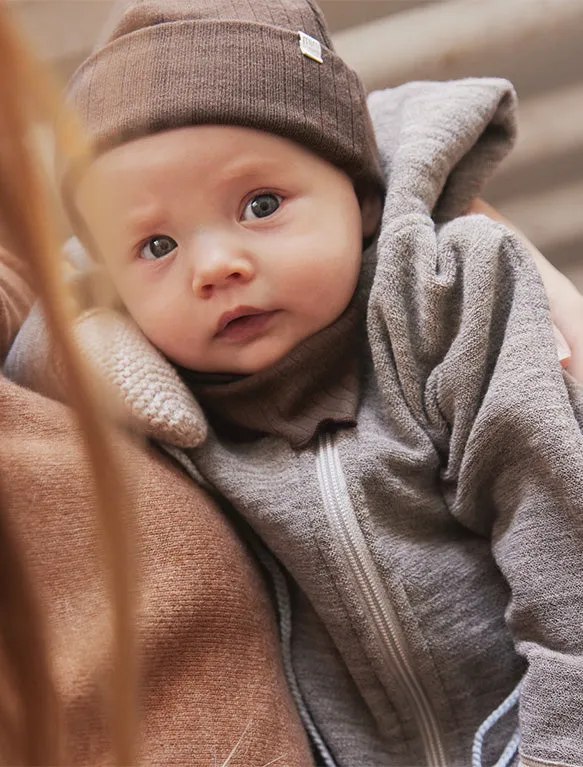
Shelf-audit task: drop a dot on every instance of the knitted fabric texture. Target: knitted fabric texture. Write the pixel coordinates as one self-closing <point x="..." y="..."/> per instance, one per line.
<point x="135" y="375"/>
<point x="167" y="64"/>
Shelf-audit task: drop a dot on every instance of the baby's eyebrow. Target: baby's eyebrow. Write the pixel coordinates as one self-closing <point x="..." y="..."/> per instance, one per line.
<point x="144" y="220"/>
<point x="248" y="167"/>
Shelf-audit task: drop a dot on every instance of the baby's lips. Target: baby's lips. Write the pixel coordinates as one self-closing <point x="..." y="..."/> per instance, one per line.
<point x="563" y="349"/>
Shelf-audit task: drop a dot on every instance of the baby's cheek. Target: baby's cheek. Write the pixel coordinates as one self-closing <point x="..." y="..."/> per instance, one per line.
<point x="162" y="328"/>
<point x="328" y="293"/>
<point x="340" y="276"/>
<point x="127" y="290"/>
<point x="167" y="340"/>
<point x="178" y="338"/>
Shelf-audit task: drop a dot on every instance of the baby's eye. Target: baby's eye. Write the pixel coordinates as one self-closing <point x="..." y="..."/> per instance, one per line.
<point x="261" y="206"/>
<point x="158" y="246"/>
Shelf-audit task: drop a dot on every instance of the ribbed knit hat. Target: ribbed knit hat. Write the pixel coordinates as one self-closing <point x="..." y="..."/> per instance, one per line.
<point x="264" y="64"/>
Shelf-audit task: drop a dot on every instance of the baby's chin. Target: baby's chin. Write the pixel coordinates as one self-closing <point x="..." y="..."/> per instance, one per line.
<point x="246" y="360"/>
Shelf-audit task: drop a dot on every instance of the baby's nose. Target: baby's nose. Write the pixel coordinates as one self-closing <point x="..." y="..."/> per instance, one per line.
<point x="220" y="266"/>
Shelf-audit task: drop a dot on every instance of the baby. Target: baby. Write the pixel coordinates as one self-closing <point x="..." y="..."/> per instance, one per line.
<point x="378" y="371"/>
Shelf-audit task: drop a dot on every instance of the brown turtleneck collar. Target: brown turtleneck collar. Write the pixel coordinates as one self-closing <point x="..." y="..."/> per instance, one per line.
<point x="315" y="385"/>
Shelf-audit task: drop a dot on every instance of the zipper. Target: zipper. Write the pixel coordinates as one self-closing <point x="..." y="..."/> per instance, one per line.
<point x="366" y="578"/>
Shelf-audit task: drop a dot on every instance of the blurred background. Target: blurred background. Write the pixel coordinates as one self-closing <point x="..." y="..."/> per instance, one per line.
<point x="538" y="44"/>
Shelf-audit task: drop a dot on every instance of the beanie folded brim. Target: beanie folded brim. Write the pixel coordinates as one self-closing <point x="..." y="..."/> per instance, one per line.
<point x="183" y="73"/>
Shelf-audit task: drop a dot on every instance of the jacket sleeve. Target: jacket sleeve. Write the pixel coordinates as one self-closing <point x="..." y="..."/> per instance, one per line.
<point x="474" y="356"/>
<point x="460" y="333"/>
<point x="514" y="470"/>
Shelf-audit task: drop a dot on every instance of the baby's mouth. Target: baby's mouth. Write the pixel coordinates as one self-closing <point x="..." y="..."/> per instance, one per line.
<point x="243" y="324"/>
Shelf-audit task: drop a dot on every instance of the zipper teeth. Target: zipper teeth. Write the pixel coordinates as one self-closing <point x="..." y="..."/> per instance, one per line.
<point x="337" y="501"/>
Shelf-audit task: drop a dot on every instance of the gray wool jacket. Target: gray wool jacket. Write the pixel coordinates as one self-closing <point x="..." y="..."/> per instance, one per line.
<point x="427" y="560"/>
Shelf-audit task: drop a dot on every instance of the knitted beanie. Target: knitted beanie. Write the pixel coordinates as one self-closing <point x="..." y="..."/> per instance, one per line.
<point x="263" y="64"/>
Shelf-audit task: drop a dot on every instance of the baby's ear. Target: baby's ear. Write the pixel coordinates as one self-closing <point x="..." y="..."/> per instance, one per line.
<point x="370" y="210"/>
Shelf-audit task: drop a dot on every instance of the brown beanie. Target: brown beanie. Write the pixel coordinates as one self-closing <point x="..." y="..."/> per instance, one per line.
<point x="171" y="63"/>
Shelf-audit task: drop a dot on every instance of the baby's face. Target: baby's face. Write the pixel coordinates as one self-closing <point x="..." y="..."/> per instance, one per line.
<point x="227" y="245"/>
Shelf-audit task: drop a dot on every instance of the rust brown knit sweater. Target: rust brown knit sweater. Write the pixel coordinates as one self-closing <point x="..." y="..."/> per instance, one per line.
<point x="210" y="668"/>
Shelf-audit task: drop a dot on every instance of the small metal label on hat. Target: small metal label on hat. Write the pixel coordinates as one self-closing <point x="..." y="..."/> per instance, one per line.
<point x="311" y="47"/>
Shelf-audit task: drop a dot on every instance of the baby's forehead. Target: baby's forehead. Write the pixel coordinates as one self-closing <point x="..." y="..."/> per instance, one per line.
<point x="166" y="168"/>
<point x="213" y="152"/>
